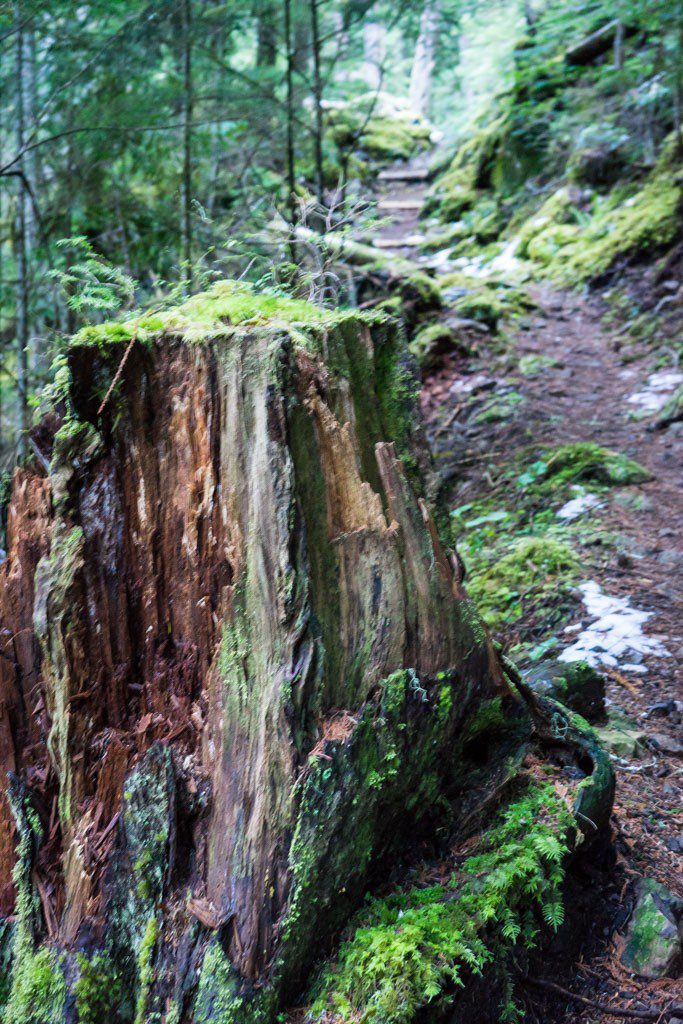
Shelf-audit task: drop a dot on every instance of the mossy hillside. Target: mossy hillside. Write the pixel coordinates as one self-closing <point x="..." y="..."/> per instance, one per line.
<point x="373" y="131"/>
<point x="462" y="183"/>
<point x="562" y="154"/>
<point x="641" y="224"/>
<point x="413" y="948"/>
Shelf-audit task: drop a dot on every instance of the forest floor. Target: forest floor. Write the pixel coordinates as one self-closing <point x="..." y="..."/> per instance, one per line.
<point x="562" y="374"/>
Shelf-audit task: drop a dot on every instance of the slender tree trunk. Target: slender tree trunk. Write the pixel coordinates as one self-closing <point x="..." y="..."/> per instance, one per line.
<point x="21" y="249"/>
<point x="619" y="46"/>
<point x="373" y="47"/>
<point x="317" y="99"/>
<point x="290" y="169"/>
<point x="266" y="39"/>
<point x="424" y="59"/>
<point x="188" y="105"/>
<point x="678" y="78"/>
<point x="35" y="353"/>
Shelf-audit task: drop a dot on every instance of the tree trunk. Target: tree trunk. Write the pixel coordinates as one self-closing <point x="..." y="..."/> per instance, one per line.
<point x="290" y="170"/>
<point x="21" y="242"/>
<point x="424" y="59"/>
<point x="242" y="673"/>
<point x="266" y="35"/>
<point x="619" y="46"/>
<point x="373" y="48"/>
<point x="317" y="103"/>
<point x="188" y="106"/>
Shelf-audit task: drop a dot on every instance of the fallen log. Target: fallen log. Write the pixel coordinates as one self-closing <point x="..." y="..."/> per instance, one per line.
<point x="597" y="43"/>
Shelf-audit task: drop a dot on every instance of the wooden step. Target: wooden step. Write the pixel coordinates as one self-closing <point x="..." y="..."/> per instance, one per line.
<point x="399" y="204"/>
<point x="411" y="242"/>
<point x="404" y="174"/>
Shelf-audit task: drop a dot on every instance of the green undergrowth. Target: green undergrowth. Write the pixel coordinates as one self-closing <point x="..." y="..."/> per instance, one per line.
<point x="523" y="561"/>
<point x="560" y="161"/>
<point x="414" y="947"/>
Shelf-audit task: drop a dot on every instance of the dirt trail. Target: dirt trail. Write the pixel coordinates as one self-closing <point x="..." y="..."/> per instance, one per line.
<point x="581" y="393"/>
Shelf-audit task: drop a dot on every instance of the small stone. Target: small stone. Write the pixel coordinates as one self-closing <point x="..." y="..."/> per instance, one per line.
<point x="667" y="744"/>
<point x="661" y="709"/>
<point x="653" y="944"/>
<point x="622" y="736"/>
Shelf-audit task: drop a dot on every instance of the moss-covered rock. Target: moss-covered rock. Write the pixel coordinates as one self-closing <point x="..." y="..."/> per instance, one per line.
<point x="434" y="341"/>
<point x="419" y="294"/>
<point x="376" y="129"/>
<point x="671" y="411"/>
<point x="577" y="685"/>
<point x="653" y="940"/>
<point x="622" y="736"/>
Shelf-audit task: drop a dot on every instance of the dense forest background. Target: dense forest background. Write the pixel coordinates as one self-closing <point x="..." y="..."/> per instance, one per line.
<point x="147" y="148"/>
<point x="340" y="415"/>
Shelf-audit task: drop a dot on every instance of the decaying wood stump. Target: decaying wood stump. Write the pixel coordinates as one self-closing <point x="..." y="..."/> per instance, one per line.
<point x="239" y="675"/>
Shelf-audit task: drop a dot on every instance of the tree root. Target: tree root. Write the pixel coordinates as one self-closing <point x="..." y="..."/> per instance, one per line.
<point x="657" y="1014"/>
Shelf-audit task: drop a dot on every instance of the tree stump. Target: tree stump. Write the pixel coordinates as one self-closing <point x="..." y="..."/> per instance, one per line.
<point x="241" y="677"/>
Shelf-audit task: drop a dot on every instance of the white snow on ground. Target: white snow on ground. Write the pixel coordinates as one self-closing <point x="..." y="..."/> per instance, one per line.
<point x="577" y="506"/>
<point x="659" y="387"/>
<point x="615" y="631"/>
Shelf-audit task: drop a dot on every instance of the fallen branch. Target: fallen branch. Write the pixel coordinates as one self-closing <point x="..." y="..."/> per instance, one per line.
<point x="612" y="1011"/>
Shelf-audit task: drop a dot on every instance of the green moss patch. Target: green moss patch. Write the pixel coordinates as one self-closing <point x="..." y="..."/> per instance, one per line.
<point x="368" y="127"/>
<point x="407" y="950"/>
<point x="584" y="461"/>
<point x="227" y="304"/>
<point x="536" y="569"/>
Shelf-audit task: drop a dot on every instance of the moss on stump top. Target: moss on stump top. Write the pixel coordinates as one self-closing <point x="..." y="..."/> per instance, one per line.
<point x="226" y="307"/>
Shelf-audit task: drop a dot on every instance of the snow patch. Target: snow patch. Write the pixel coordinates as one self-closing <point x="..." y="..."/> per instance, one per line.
<point x="659" y="387"/>
<point x="615" y="631"/>
<point x="577" y="506"/>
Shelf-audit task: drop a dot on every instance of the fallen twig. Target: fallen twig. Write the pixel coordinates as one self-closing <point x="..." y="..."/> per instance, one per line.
<point x="613" y="1011"/>
<point x="118" y="373"/>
